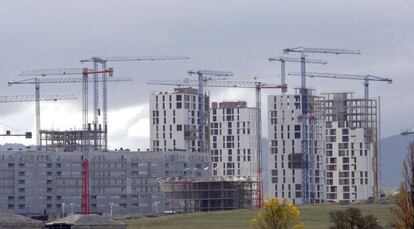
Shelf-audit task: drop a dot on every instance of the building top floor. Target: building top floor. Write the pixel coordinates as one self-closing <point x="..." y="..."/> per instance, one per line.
<point x="229" y="105"/>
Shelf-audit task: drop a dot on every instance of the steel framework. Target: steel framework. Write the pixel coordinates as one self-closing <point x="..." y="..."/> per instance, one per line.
<point x="103" y="61"/>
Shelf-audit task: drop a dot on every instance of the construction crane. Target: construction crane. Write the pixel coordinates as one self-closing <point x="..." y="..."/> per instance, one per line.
<point x="304" y="50"/>
<point x="306" y="196"/>
<point x="9" y="134"/>
<point x="73" y="71"/>
<point x="103" y="61"/>
<point x="365" y="78"/>
<point x="284" y="59"/>
<point x="407" y="132"/>
<point x="29" y="98"/>
<point x="236" y="84"/>
<point x="85" y="72"/>
<point x="201" y="74"/>
<point x="37" y="81"/>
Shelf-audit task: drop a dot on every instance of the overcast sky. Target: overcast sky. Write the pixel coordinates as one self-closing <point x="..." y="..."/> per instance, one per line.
<point x="232" y="35"/>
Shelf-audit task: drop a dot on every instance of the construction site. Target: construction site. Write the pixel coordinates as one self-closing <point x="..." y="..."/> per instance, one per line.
<point x="203" y="157"/>
<point x="209" y="194"/>
<point x="126" y="114"/>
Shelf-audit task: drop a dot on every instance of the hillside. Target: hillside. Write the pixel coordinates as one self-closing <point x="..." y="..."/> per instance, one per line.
<point x="393" y="152"/>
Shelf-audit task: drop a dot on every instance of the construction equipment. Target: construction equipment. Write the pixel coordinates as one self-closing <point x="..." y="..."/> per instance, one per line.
<point x="201" y="74"/>
<point x="365" y="78"/>
<point x="37" y="81"/>
<point x="284" y="59"/>
<point x="9" y="134"/>
<point x="235" y="84"/>
<point x="103" y="61"/>
<point x="304" y="50"/>
<point x="28" y="98"/>
<point x="306" y="147"/>
<point x="85" y="72"/>
<point x="407" y="132"/>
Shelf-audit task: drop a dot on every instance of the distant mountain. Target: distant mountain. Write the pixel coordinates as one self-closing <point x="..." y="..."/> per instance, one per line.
<point x="393" y="152"/>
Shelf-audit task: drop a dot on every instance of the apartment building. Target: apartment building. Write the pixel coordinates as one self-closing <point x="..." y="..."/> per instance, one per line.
<point x="351" y="147"/>
<point x="33" y="182"/>
<point x="175" y="119"/>
<point x="233" y="143"/>
<point x="296" y="156"/>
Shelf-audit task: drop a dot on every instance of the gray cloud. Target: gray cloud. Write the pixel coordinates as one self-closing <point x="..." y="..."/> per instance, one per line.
<point x="235" y="35"/>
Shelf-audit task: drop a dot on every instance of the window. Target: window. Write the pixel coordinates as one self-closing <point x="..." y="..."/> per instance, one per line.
<point x="179" y="127"/>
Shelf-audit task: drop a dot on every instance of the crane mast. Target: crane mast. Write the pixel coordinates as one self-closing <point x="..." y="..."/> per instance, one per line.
<point x="85" y="72"/>
<point x="284" y="59"/>
<point x="29" y="98"/>
<point x="103" y="61"/>
<point x="37" y="81"/>
<point x="202" y="117"/>
<point x="366" y="79"/>
<point x="306" y="124"/>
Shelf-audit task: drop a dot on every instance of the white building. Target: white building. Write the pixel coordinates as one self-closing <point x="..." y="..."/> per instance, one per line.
<point x="351" y="147"/>
<point x="174" y="120"/>
<point x="233" y="144"/>
<point x="294" y="139"/>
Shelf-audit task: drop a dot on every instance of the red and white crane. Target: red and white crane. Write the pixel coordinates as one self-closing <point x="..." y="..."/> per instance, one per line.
<point x="85" y="72"/>
<point x="103" y="61"/>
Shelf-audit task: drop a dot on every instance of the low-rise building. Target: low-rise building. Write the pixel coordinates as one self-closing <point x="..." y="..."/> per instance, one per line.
<point x="34" y="182"/>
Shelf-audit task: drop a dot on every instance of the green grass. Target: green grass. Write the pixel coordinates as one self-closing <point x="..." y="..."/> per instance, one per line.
<point x="314" y="217"/>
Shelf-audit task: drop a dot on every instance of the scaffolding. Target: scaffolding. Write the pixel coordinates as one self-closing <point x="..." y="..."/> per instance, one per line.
<point x="70" y="140"/>
<point x="209" y="194"/>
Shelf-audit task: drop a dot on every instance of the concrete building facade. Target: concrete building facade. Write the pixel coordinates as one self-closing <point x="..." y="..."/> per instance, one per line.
<point x="174" y="120"/>
<point x="296" y="136"/>
<point x="351" y="147"/>
<point x="233" y="143"/>
<point x="33" y="182"/>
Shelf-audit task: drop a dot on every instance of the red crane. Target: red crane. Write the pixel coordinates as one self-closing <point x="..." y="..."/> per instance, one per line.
<point x="85" y="72"/>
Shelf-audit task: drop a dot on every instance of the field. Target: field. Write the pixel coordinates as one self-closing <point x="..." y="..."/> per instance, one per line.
<point x="313" y="217"/>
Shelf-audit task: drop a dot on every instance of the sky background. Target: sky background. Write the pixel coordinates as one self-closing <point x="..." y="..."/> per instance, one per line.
<point x="231" y="35"/>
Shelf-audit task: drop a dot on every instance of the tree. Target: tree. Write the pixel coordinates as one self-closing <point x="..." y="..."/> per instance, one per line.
<point x="277" y="214"/>
<point x="339" y="219"/>
<point x="369" y="222"/>
<point x="351" y="218"/>
<point x="404" y="211"/>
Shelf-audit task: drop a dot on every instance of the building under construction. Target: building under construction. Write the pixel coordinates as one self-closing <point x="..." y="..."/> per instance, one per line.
<point x="351" y="147"/>
<point x="296" y="158"/>
<point x="71" y="140"/>
<point x="209" y="194"/>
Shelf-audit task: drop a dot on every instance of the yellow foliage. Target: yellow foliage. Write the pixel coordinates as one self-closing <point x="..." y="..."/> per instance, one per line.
<point x="277" y="213"/>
